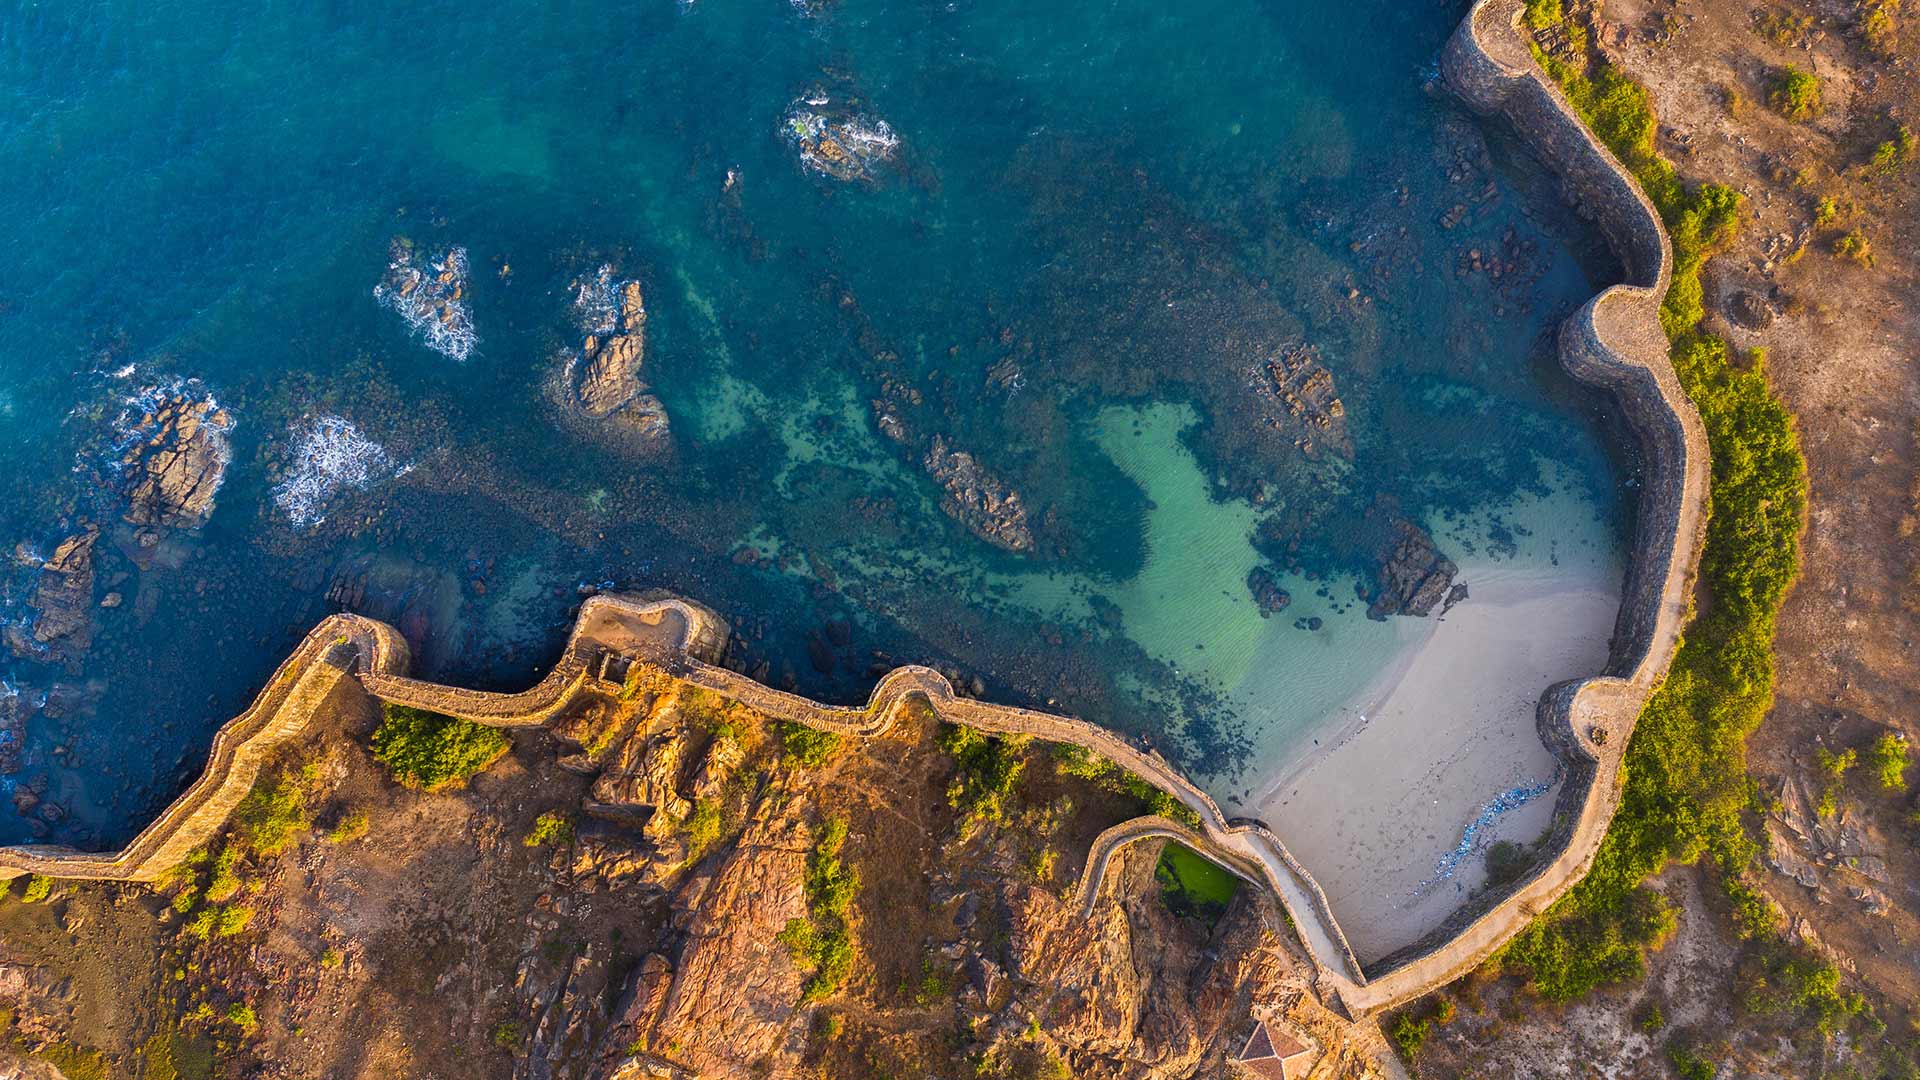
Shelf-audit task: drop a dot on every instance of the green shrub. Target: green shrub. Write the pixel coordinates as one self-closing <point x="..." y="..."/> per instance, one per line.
<point x="1409" y="1035"/>
<point x="352" y="826"/>
<point x="988" y="773"/>
<point x="1076" y="761"/>
<point x="331" y="958"/>
<point x="1878" y="29"/>
<point x="824" y="939"/>
<point x="232" y="920"/>
<point x="810" y="747"/>
<point x="703" y="828"/>
<point x="39" y="887"/>
<point x="1796" y="93"/>
<point x="272" y="816"/>
<point x="1889" y="156"/>
<point x="1854" y="248"/>
<point x="551" y="827"/>
<point x="1888" y="759"/>
<point x="429" y="751"/>
<point x="1825" y="211"/>
<point x="225" y="880"/>
<point x="1781" y="980"/>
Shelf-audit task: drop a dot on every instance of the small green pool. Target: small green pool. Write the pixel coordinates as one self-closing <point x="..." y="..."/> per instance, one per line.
<point x="1192" y="884"/>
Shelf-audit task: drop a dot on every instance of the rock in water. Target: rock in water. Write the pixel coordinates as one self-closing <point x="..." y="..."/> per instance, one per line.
<point x="984" y="503"/>
<point x="1266" y="591"/>
<point x="1414" y="576"/>
<point x="606" y="380"/>
<point x="431" y="296"/>
<point x="176" y="455"/>
<point x="62" y="602"/>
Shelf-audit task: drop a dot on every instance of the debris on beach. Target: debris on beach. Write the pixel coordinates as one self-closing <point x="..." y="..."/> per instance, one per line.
<point x="1507" y="801"/>
<point x="431" y="296"/>
<point x="837" y="142"/>
<point x="329" y="456"/>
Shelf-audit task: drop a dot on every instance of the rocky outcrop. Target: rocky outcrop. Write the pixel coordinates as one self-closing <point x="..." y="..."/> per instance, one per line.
<point x="430" y="294"/>
<point x="62" y="602"/>
<point x="728" y="1006"/>
<point x="1301" y="383"/>
<point x="642" y="783"/>
<point x="175" y="456"/>
<point x="605" y="380"/>
<point x="987" y="505"/>
<point x="1414" y="577"/>
<point x="834" y="141"/>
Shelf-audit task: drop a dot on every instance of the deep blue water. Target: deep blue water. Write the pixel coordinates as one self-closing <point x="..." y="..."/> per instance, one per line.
<point x="1084" y="230"/>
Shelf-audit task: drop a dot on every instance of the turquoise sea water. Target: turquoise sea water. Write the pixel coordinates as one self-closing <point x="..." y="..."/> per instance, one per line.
<point x="1081" y="233"/>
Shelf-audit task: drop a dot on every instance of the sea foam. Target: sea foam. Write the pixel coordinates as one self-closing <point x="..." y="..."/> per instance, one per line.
<point x="329" y="456"/>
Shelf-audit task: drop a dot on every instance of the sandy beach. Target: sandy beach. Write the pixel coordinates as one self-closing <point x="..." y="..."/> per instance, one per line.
<point x="1379" y="812"/>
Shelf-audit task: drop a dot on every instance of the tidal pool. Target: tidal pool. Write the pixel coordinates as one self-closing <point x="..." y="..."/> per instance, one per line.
<point x="1043" y="343"/>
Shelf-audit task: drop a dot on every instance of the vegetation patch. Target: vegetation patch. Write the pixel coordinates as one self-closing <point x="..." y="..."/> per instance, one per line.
<point x="1193" y="885"/>
<point x="1795" y="93"/>
<point x="551" y="827"/>
<point x="988" y="773"/>
<point x="428" y="751"/>
<point x="1684" y="775"/>
<point x="1079" y="762"/>
<point x="810" y="747"/>
<point x="824" y="939"/>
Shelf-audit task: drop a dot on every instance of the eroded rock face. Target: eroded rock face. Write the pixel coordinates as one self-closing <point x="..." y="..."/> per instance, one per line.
<point x="642" y="783"/>
<point x="175" y="457"/>
<point x="606" y="380"/>
<point x="987" y="505"/>
<point x="728" y="1008"/>
<point x="1127" y="985"/>
<point x="1414" y="577"/>
<point x="62" y="602"/>
<point x="1301" y="383"/>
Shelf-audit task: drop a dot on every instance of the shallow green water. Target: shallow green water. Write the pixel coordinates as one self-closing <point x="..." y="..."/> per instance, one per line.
<point x="1095" y="224"/>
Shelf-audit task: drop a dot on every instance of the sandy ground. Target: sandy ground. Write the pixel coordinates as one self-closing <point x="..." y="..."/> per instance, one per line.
<point x="1376" y="810"/>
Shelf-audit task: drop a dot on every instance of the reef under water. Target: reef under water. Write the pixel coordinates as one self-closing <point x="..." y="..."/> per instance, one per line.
<point x="1155" y="363"/>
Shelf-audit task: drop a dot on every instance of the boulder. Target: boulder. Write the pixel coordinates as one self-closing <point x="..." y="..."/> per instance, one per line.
<point x="62" y="602"/>
<point x="987" y="505"/>
<point x="176" y="458"/>
<point x="1414" y="577"/>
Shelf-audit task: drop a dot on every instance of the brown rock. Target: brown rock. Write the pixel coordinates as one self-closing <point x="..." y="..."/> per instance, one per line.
<point x="987" y="505"/>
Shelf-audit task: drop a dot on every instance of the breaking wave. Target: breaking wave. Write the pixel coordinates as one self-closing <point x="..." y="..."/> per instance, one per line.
<point x="433" y="299"/>
<point x="330" y="456"/>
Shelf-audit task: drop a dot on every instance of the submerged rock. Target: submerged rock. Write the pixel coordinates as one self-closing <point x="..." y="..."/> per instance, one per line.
<point x="174" y="451"/>
<point x="987" y="505"/>
<point x="62" y="602"/>
<point x="1414" y="577"/>
<point x="329" y="456"/>
<point x="1267" y="592"/>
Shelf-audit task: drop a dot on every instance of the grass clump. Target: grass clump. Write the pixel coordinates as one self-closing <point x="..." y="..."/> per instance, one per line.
<point x="38" y="888"/>
<point x="241" y="1016"/>
<point x="1854" y="247"/>
<point x="824" y="939"/>
<point x="1888" y="760"/>
<point x="428" y="751"/>
<point x="352" y="826"/>
<point x="703" y="828"/>
<point x="1879" y="30"/>
<point x="1079" y="762"/>
<point x="989" y="771"/>
<point x="551" y="827"/>
<point x="223" y="882"/>
<point x="272" y="816"/>
<point x="1796" y="93"/>
<point x="810" y="747"/>
<point x="1684" y="781"/>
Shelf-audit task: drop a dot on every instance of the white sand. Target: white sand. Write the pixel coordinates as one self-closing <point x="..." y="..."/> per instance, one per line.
<point x="1376" y="809"/>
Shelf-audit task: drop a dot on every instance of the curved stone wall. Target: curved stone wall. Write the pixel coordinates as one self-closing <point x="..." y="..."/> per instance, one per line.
<point x="1615" y="343"/>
